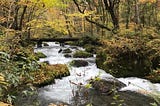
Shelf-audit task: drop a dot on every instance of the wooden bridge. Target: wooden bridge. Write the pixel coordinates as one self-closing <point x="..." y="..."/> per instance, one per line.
<point x="60" y="40"/>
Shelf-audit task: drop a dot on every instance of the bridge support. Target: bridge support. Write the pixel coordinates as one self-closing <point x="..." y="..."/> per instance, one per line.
<point x="39" y="44"/>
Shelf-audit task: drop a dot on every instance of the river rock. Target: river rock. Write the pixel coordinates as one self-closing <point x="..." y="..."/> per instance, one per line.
<point x="60" y="50"/>
<point x="67" y="55"/>
<point x="107" y="85"/>
<point x="103" y="93"/>
<point x="45" y="44"/>
<point x="79" y="63"/>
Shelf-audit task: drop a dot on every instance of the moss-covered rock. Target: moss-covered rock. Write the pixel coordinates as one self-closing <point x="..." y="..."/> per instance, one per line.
<point x="117" y="98"/>
<point x="40" y="55"/>
<point x="106" y="85"/>
<point x="154" y="53"/>
<point x="79" y="63"/>
<point x="47" y="73"/>
<point x="106" y="92"/>
<point x="82" y="54"/>
<point x="67" y="50"/>
<point x="125" y="57"/>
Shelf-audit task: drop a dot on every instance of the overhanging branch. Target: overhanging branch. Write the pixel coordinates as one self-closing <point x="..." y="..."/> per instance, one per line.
<point x="91" y="21"/>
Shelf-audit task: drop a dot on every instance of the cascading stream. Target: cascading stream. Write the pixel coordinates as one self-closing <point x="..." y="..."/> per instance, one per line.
<point x="64" y="89"/>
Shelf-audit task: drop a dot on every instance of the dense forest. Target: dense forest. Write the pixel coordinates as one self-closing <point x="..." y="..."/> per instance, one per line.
<point x="124" y="35"/>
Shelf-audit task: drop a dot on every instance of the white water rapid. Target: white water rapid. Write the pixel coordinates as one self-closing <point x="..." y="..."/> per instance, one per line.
<point x="63" y="89"/>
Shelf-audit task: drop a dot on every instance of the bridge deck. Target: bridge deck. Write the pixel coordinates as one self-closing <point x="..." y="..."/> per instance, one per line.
<point x="61" y="40"/>
<point x="54" y="39"/>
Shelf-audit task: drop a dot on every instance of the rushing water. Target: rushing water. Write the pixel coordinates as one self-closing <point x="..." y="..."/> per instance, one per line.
<point x="64" y="89"/>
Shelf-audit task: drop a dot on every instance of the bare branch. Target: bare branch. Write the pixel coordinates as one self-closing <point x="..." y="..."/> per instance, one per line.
<point x="91" y="21"/>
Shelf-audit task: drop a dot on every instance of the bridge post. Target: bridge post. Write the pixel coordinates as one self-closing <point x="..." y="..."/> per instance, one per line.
<point x="39" y="44"/>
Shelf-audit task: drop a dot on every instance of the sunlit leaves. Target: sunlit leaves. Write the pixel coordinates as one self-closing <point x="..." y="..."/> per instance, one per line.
<point x="2" y="81"/>
<point x="50" y="3"/>
<point x="147" y="1"/>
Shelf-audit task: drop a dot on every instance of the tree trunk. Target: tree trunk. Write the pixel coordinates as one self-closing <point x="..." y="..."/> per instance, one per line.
<point x="128" y="14"/>
<point x="110" y="4"/>
<point x="114" y="19"/>
<point x="137" y="19"/>
<point x="22" y="17"/>
<point x="15" y="23"/>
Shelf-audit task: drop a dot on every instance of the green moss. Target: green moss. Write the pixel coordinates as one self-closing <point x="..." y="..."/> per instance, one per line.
<point x="82" y="54"/>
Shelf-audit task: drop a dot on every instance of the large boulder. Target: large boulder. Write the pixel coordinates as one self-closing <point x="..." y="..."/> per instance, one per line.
<point x="125" y="58"/>
<point x="105" y="92"/>
<point x="107" y="85"/>
<point x="79" y="63"/>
